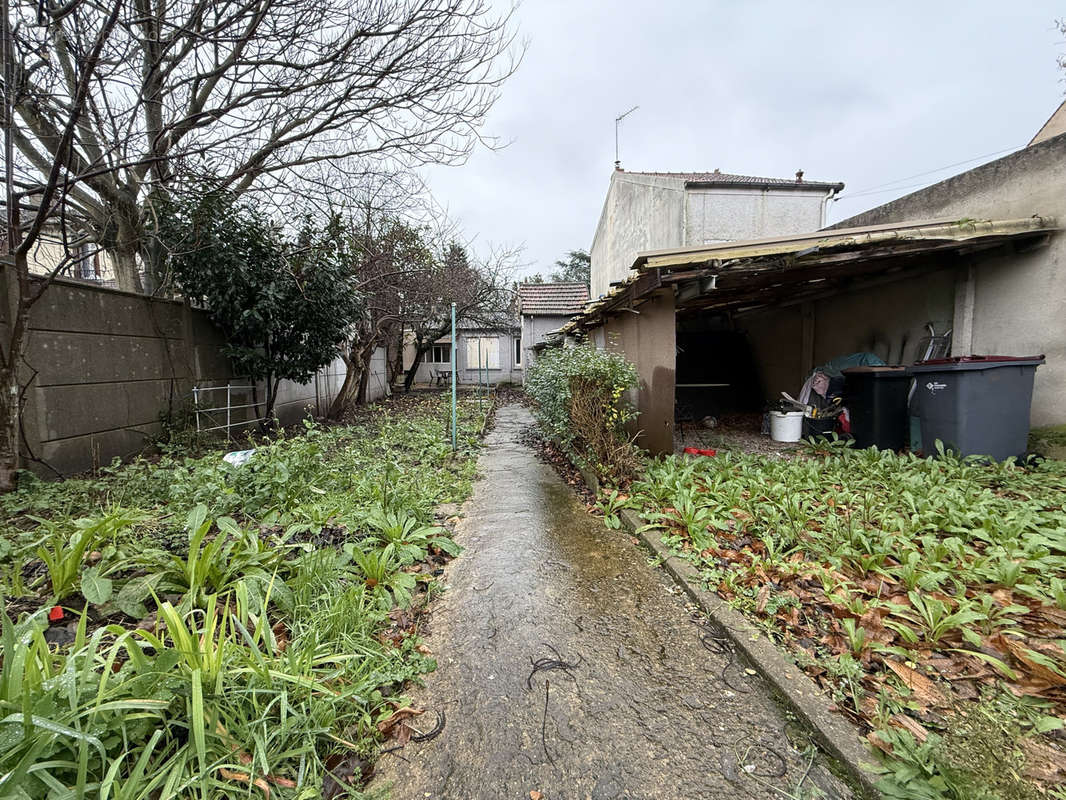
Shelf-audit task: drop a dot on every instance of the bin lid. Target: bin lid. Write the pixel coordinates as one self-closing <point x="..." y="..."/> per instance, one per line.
<point x="976" y="362"/>
<point x="875" y="372"/>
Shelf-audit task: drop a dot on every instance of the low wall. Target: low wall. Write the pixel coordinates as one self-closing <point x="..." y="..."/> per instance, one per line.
<point x="105" y="366"/>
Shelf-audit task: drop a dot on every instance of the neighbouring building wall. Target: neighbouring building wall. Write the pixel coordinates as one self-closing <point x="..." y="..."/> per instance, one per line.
<point x="1055" y="126"/>
<point x="496" y="370"/>
<point x="727" y="214"/>
<point x="505" y="371"/>
<point x="1011" y="304"/>
<point x="107" y="366"/>
<point x="641" y="212"/>
<point x="535" y="329"/>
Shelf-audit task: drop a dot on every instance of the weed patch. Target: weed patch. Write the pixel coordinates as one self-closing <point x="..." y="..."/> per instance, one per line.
<point x="924" y="595"/>
<point x="227" y="631"/>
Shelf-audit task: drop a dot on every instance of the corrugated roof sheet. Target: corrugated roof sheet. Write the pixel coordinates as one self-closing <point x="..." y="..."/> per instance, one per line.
<point x="555" y="299"/>
<point x="735" y="261"/>
<point x="718" y="178"/>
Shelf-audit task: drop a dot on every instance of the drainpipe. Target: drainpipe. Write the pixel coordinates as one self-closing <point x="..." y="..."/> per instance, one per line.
<point x="825" y="206"/>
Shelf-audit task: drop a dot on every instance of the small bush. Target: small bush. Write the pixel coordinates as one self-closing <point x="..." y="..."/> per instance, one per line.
<point x="580" y="404"/>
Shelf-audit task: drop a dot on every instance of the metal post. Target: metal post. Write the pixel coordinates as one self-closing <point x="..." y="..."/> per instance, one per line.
<point x="455" y="432"/>
<point x="196" y="405"/>
<point x="479" y="359"/>
<point x="229" y="405"/>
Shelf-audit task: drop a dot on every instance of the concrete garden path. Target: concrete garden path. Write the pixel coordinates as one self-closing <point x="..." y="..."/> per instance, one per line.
<point x="649" y="712"/>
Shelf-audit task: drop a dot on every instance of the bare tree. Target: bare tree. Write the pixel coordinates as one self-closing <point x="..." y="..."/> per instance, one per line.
<point x="387" y="256"/>
<point x="479" y="290"/>
<point x="60" y="180"/>
<point x="255" y="95"/>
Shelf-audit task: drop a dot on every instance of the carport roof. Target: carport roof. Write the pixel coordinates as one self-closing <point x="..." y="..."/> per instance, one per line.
<point x="762" y="272"/>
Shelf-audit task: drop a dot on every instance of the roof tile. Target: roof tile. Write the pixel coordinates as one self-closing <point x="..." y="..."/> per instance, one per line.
<point x="723" y="178"/>
<point x="556" y="299"/>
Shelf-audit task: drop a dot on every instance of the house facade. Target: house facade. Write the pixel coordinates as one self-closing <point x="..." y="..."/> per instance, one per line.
<point x="486" y="352"/>
<point x="544" y="307"/>
<point x="664" y="210"/>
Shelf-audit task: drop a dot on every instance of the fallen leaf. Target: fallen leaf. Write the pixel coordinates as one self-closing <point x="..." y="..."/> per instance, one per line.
<point x="1037" y="670"/>
<point x="906" y="723"/>
<point x="925" y="691"/>
<point x="763" y="597"/>
<point x="1043" y="762"/>
<point x="535" y="795"/>
<point x="1053" y="614"/>
<point x="397" y="716"/>
<point x="879" y="743"/>
<point x="245" y="778"/>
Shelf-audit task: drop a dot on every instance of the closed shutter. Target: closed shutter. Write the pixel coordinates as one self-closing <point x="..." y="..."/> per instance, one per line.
<point x="489" y="353"/>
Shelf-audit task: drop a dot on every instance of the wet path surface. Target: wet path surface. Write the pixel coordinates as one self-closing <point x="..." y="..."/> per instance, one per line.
<point x="648" y="713"/>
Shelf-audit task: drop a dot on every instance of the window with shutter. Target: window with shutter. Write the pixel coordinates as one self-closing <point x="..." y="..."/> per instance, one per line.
<point x="482" y="352"/>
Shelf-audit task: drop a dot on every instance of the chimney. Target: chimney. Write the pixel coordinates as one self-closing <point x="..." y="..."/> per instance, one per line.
<point x="799" y="176"/>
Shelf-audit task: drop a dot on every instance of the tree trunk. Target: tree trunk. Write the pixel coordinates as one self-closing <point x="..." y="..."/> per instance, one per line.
<point x="364" y="381"/>
<point x="410" y="377"/>
<point x="127" y="243"/>
<point x="126" y="271"/>
<point x="347" y="395"/>
<point x="10" y="459"/>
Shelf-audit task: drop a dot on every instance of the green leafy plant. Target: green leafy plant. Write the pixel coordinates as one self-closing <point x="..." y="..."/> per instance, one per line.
<point x="63" y="550"/>
<point x="580" y="403"/>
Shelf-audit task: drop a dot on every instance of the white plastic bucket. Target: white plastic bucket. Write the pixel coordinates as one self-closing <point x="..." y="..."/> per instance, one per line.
<point x="786" y="426"/>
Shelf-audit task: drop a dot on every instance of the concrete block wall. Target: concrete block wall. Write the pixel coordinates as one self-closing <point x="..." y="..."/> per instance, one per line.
<point x="104" y="366"/>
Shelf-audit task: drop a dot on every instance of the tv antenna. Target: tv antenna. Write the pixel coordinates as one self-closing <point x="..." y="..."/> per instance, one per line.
<point x="617" y="122"/>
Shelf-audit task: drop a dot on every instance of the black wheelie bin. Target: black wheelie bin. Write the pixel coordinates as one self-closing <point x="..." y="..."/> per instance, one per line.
<point x="876" y="399"/>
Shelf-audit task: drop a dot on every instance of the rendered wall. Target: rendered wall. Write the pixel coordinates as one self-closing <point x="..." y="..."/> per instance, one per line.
<point x="105" y="365"/>
<point x="724" y="214"/>
<point x="1018" y="300"/>
<point x="648" y="340"/>
<point x="535" y="329"/>
<point x="640" y="213"/>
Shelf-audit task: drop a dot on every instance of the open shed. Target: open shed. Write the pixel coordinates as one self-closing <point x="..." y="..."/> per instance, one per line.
<point x="725" y="327"/>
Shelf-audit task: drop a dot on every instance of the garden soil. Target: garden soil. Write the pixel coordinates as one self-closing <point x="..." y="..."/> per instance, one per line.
<point x="630" y="697"/>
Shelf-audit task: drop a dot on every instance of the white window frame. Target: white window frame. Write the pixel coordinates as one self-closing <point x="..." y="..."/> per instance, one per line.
<point x="518" y="351"/>
<point x="444" y="351"/>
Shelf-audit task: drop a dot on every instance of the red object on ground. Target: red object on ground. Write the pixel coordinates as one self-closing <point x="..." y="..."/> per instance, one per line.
<point x="695" y="451"/>
<point x="55" y="614"/>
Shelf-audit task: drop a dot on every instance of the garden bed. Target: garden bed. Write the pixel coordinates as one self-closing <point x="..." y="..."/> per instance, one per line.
<point x="189" y="628"/>
<point x="927" y="597"/>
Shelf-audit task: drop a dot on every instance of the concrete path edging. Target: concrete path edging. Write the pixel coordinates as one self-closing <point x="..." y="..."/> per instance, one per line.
<point x="792" y="686"/>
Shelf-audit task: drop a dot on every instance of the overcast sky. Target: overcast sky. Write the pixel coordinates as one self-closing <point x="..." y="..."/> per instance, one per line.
<point x="841" y="90"/>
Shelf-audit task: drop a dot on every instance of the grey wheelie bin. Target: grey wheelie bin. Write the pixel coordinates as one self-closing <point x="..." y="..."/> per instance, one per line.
<point x="975" y="405"/>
